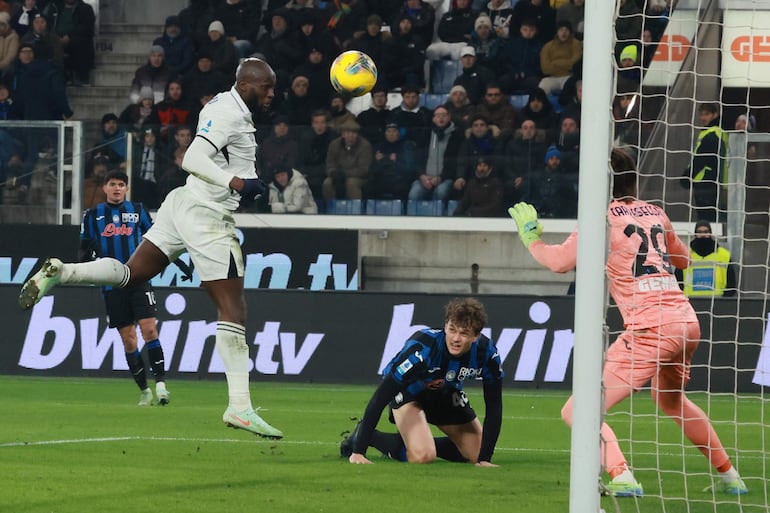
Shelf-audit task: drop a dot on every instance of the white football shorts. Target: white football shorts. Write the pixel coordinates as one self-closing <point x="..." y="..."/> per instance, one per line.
<point x="184" y="223"/>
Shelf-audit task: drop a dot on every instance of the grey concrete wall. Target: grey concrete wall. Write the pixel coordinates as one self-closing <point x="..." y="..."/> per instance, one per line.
<point x="138" y="11"/>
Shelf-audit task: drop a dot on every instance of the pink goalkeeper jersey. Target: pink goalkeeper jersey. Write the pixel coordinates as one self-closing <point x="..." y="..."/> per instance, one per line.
<point x="643" y="247"/>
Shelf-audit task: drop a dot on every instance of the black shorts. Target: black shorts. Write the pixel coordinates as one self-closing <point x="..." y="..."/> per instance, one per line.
<point x="126" y="306"/>
<point x="441" y="408"/>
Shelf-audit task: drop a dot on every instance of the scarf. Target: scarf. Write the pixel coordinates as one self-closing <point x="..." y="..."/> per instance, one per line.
<point x="343" y="10"/>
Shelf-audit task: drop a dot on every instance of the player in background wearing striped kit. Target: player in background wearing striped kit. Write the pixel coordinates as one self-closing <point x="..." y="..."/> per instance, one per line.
<point x="661" y="328"/>
<point x="114" y="229"/>
<point x="198" y="218"/>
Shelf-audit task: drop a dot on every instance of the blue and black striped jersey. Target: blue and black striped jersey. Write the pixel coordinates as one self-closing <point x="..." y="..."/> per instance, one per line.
<point x="425" y="363"/>
<point x="114" y="231"/>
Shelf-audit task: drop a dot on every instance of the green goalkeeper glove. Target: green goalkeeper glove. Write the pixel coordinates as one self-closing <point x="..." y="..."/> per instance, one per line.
<point x="527" y="223"/>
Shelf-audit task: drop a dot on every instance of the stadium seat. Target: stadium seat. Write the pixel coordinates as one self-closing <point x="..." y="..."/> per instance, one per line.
<point x="442" y="75"/>
<point x="425" y="208"/>
<point x="345" y="207"/>
<point x="554" y="99"/>
<point x="431" y="101"/>
<point x="359" y="104"/>
<point x="451" y="206"/>
<point x="384" y="207"/>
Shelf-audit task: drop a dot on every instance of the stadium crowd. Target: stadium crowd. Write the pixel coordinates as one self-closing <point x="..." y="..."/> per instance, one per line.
<point x="503" y="127"/>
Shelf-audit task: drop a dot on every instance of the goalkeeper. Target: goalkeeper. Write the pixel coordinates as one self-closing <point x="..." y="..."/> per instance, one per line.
<point x="661" y="329"/>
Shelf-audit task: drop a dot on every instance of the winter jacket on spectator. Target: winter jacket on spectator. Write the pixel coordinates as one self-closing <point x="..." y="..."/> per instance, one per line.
<point x="456" y="25"/>
<point x="241" y="19"/>
<point x="9" y="43"/>
<point x="179" y="49"/>
<point x="41" y="93"/>
<point x="558" y="57"/>
<point x="21" y="18"/>
<point x="47" y="44"/>
<point x="501" y="16"/>
<point x="294" y="198"/>
<point x="423" y="19"/>
<point x="543" y="14"/>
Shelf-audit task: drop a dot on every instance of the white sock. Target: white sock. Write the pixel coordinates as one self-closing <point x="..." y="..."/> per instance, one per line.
<point x="104" y="271"/>
<point x="730" y="476"/>
<point x="624" y="477"/>
<point x="232" y="349"/>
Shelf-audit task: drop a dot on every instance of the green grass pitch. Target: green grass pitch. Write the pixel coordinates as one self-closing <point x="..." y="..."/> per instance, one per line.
<point x="82" y="445"/>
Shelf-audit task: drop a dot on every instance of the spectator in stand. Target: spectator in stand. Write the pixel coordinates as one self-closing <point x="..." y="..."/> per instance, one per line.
<point x="480" y="141"/>
<point x="474" y="78"/>
<point x="346" y="18"/>
<point x="136" y="117"/>
<point x="626" y="111"/>
<point x="413" y="120"/>
<point x="484" y="42"/>
<point x="74" y="22"/>
<point x="500" y="13"/>
<point x="179" y="50"/>
<point x="374" y="119"/>
<point x="557" y="58"/>
<point x="279" y="149"/>
<point x="387" y="9"/>
<point x="553" y="191"/>
<point x="459" y="107"/>
<point x="340" y="113"/>
<point x="12" y="153"/>
<point x="629" y="72"/>
<point x="148" y="162"/>
<point x="378" y="45"/>
<point x="569" y="90"/>
<point x="483" y="196"/>
<point x="394" y="167"/>
<point x="628" y="25"/>
<point x="289" y="192"/>
<point x="47" y="43"/>
<point x="9" y="43"/>
<point x="538" y="10"/>
<point x="519" y="60"/>
<point x="154" y="74"/>
<point x="347" y="164"/>
<point x="498" y="111"/>
<point x="573" y="12"/>
<point x="93" y="184"/>
<point x="241" y="21"/>
<point x="315" y="147"/>
<point x="281" y="48"/>
<point x="454" y="31"/>
<point x="540" y="110"/>
<point x="523" y="157"/>
<point x="656" y="18"/>
<point x="7" y="107"/>
<point x="112" y="142"/>
<point x="203" y="79"/>
<point x="40" y="90"/>
<point x="195" y="20"/>
<point x="174" y="110"/>
<point x="183" y="136"/>
<point x="196" y="107"/>
<point x="316" y="69"/>
<point x="435" y="180"/>
<point x="22" y="14"/>
<point x="173" y="176"/>
<point x="299" y="105"/>
<point x="311" y="35"/>
<point x="409" y="50"/>
<point x="220" y="49"/>
<point x="423" y="17"/>
<point x="573" y="109"/>
<point x="568" y="144"/>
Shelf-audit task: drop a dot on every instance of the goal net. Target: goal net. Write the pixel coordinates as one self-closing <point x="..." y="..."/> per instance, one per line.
<point x="696" y="61"/>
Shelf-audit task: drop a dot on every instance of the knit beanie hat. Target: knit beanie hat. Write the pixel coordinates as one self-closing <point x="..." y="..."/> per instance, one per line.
<point x="553" y="151"/>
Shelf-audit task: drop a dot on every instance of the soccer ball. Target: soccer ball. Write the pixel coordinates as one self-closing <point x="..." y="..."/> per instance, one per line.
<point x="353" y="72"/>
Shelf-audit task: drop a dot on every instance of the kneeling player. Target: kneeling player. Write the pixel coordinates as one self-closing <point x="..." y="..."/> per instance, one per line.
<point x="424" y="385"/>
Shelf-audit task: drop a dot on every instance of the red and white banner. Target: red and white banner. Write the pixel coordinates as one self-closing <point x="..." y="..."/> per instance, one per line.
<point x="672" y="48"/>
<point x="746" y="49"/>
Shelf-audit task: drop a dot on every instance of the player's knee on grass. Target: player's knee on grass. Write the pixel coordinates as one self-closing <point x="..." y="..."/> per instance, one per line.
<point x="566" y="412"/>
<point x="421" y="454"/>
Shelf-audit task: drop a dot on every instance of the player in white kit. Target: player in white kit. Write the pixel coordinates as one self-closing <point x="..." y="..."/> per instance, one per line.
<point x="198" y="218"/>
